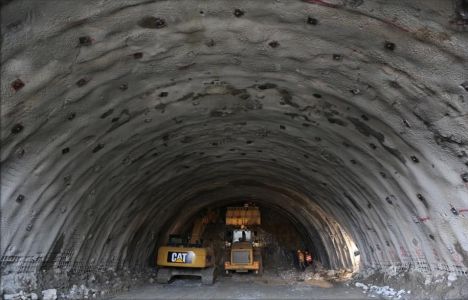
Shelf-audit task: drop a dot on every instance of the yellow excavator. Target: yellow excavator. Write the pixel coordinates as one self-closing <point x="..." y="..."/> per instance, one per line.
<point x="187" y="255"/>
<point x="244" y="253"/>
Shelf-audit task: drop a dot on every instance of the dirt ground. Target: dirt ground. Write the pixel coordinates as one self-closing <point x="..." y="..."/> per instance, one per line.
<point x="245" y="286"/>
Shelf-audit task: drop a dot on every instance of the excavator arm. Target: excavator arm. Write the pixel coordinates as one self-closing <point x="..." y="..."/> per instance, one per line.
<point x="200" y="225"/>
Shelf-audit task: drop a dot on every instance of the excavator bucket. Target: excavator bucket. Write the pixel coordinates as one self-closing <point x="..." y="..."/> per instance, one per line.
<point x="243" y="216"/>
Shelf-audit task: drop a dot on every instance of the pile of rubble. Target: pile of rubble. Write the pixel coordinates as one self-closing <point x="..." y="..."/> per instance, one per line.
<point x="384" y="291"/>
<point x="54" y="284"/>
<point x="50" y="294"/>
<point x="433" y="285"/>
<point x="315" y="272"/>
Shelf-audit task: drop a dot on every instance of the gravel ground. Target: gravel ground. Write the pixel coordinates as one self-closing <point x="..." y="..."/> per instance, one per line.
<point x="244" y="286"/>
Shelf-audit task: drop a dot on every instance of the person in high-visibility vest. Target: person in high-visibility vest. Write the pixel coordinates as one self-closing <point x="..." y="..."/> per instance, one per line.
<point x="308" y="258"/>
<point x="301" y="260"/>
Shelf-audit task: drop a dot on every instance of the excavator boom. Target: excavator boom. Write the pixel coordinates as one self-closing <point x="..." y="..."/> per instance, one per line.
<point x="200" y="225"/>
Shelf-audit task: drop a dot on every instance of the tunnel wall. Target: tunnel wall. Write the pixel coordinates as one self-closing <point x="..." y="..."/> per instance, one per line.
<point x="117" y="114"/>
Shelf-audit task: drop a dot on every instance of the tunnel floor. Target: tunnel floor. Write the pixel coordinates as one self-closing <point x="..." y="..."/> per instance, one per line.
<point x="245" y="286"/>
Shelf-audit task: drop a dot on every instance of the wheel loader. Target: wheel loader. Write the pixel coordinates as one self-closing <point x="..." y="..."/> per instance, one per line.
<point x="244" y="253"/>
<point x="186" y="255"/>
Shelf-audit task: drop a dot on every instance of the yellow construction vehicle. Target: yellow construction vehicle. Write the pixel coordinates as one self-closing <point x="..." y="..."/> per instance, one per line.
<point x="188" y="256"/>
<point x="244" y="253"/>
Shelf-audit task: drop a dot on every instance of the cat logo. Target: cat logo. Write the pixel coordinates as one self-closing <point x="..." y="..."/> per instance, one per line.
<point x="180" y="257"/>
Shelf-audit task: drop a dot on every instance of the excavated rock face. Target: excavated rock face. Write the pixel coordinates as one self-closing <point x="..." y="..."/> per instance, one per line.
<point x="121" y="117"/>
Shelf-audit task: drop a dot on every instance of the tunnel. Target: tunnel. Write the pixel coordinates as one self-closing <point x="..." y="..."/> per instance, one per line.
<point x="121" y="121"/>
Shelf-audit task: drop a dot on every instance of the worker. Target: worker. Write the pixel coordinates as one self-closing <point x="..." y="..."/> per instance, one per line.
<point x="308" y="258"/>
<point x="301" y="260"/>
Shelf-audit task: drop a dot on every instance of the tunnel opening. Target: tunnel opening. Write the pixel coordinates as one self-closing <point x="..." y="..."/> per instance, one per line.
<point x="279" y="237"/>
<point x="298" y="232"/>
<point x="281" y="233"/>
<point x="312" y="223"/>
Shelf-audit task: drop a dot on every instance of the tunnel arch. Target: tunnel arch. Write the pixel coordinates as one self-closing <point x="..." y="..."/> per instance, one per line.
<point x="115" y="115"/>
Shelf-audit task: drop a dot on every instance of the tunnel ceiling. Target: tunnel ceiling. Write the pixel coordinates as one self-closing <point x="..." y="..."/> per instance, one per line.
<point x="351" y="115"/>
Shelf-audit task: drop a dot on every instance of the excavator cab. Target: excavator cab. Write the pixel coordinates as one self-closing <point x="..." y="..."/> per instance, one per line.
<point x="179" y="240"/>
<point x="242" y="235"/>
<point x="176" y="240"/>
